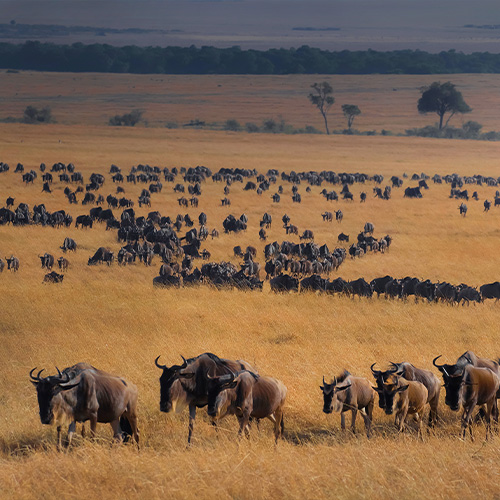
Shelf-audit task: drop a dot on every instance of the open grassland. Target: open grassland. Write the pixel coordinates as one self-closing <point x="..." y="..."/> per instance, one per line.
<point x="113" y="318"/>
<point x="386" y="101"/>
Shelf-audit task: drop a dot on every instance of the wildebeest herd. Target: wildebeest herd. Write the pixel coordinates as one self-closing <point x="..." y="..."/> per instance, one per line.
<point x="176" y="241"/>
<point x="81" y="393"/>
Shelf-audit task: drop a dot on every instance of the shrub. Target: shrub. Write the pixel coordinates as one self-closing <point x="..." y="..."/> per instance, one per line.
<point x="35" y="115"/>
<point x="171" y="125"/>
<point x="386" y="132"/>
<point x="232" y="126"/>
<point x="126" y="120"/>
<point x="251" y="127"/>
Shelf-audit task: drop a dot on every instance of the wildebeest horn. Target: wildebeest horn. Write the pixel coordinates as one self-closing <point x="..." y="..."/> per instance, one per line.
<point x="324" y="380"/>
<point x="467" y="357"/>
<point x="37" y="378"/>
<point x="185" y="362"/>
<point x="161" y="367"/>
<point x="375" y="372"/>
<point x="435" y="364"/>
<point x="58" y="372"/>
<point x="394" y="368"/>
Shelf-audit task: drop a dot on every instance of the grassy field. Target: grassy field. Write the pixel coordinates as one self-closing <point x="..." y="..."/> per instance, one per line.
<point x="386" y="101"/>
<point x="113" y="318"/>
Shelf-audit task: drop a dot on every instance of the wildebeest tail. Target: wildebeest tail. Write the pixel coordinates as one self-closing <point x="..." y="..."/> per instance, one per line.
<point x="282" y="424"/>
<point x="126" y="429"/>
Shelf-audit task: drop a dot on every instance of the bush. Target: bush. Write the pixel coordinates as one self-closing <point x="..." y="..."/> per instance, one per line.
<point x="251" y="127"/>
<point x="232" y="126"/>
<point x="171" y="125"/>
<point x="126" y="120"/>
<point x="308" y="129"/>
<point x="386" y="132"/>
<point x="35" y="115"/>
<point x="490" y="136"/>
<point x="472" y="129"/>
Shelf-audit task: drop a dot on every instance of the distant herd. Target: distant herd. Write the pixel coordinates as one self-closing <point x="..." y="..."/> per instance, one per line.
<point x="83" y="393"/>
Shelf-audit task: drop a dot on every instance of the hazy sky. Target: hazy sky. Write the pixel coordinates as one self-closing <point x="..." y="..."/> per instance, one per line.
<point x="380" y="24"/>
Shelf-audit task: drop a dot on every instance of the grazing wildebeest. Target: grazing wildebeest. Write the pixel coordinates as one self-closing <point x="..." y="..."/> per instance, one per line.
<point x="307" y="235"/>
<point x="470" y="386"/>
<point x="12" y="263"/>
<point x="468" y="294"/>
<point x="247" y="395"/>
<point x="82" y="392"/>
<point x="10" y="202"/>
<point x="407" y="396"/>
<point x="68" y="244"/>
<point x="327" y="216"/>
<point x="369" y="228"/>
<point x="284" y="283"/>
<point x="463" y="209"/>
<point x="343" y="237"/>
<point x="101" y="255"/>
<point x="347" y="392"/>
<point x="84" y="221"/>
<point x="487" y="205"/>
<point x="53" y="277"/>
<point x="47" y="261"/>
<point x="187" y="384"/>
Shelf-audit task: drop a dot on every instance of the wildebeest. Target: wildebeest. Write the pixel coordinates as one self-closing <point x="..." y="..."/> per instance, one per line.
<point x="378" y="284"/>
<point x="53" y="277"/>
<point x="412" y="192"/>
<point x="463" y="209"/>
<point x="470" y="386"/>
<point x="187" y="384"/>
<point x="347" y="392"/>
<point x="426" y="377"/>
<point x="284" y="283"/>
<point x="63" y="263"/>
<point x="487" y="205"/>
<point x="247" y="395"/>
<point x="84" y="221"/>
<point x="12" y="263"/>
<point x="101" y="255"/>
<point x="343" y="237"/>
<point x="82" y="392"/>
<point x="359" y="287"/>
<point x="68" y="244"/>
<point x="490" y="291"/>
<point x="369" y="228"/>
<point x="408" y="397"/>
<point x="47" y="261"/>
<point x="468" y="294"/>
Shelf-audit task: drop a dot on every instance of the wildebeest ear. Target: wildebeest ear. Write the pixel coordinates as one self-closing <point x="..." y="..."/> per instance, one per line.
<point x="402" y="389"/>
<point x="186" y="375"/>
<point x="67" y="387"/>
<point x="380" y="391"/>
<point x="343" y="388"/>
<point x="231" y="385"/>
<point x="321" y="387"/>
<point x="34" y="382"/>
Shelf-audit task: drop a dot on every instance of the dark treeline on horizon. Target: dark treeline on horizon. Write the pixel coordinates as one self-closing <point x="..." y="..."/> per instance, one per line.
<point x="103" y="58"/>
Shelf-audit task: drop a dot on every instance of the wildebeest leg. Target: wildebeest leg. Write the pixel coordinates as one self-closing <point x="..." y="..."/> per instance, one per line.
<point x="354" y="413"/>
<point x="278" y="424"/>
<point x="342" y="421"/>
<point x="402" y="420"/>
<point x="93" y="425"/>
<point x="192" y="416"/>
<point x="83" y="430"/>
<point x="117" y="432"/>
<point x="433" y="414"/>
<point x="466" y="421"/>
<point x="489" y="407"/>
<point x="131" y="418"/>
<point x="59" y="444"/>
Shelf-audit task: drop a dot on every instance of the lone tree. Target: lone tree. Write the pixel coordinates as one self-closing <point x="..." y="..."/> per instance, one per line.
<point x="322" y="98"/>
<point x="442" y="98"/>
<point x="350" y="112"/>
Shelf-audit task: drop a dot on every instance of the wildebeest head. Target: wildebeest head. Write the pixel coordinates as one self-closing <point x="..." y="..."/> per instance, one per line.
<point x="330" y="401"/>
<point x="390" y="388"/>
<point x="47" y="388"/>
<point x="453" y="381"/>
<point x="380" y="379"/>
<point x="215" y="386"/>
<point x="167" y="378"/>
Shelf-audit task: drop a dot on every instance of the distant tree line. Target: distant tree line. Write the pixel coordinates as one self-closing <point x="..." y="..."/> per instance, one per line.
<point x="34" y="55"/>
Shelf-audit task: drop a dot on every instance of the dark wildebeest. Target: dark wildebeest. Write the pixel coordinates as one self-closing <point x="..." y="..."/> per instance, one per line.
<point x="84" y="221"/>
<point x="359" y="287"/>
<point x="68" y="244"/>
<point x="378" y="284"/>
<point x="284" y="283"/>
<point x="63" y="263"/>
<point x="369" y="228"/>
<point x="47" y="261"/>
<point x="53" y="277"/>
<point x="490" y="291"/>
<point x="487" y="205"/>
<point x="2" y="265"/>
<point x="349" y="393"/>
<point x="407" y="396"/>
<point x="468" y="294"/>
<point x="471" y="386"/>
<point x="101" y="255"/>
<point x="262" y="234"/>
<point x="307" y="235"/>
<point x="247" y="395"/>
<point x="463" y="209"/>
<point x="343" y="237"/>
<point x="187" y="384"/>
<point x="12" y="263"/>
<point x="82" y="392"/>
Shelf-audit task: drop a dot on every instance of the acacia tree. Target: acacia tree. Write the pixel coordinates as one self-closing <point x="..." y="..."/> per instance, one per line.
<point x="442" y="98"/>
<point x="350" y="112"/>
<point x="322" y="98"/>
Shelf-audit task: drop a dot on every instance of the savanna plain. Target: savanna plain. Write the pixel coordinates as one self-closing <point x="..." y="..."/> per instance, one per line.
<point x="113" y="318"/>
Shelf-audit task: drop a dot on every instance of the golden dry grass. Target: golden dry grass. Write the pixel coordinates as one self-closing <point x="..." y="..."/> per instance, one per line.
<point x="386" y="101"/>
<point x="113" y="318"/>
